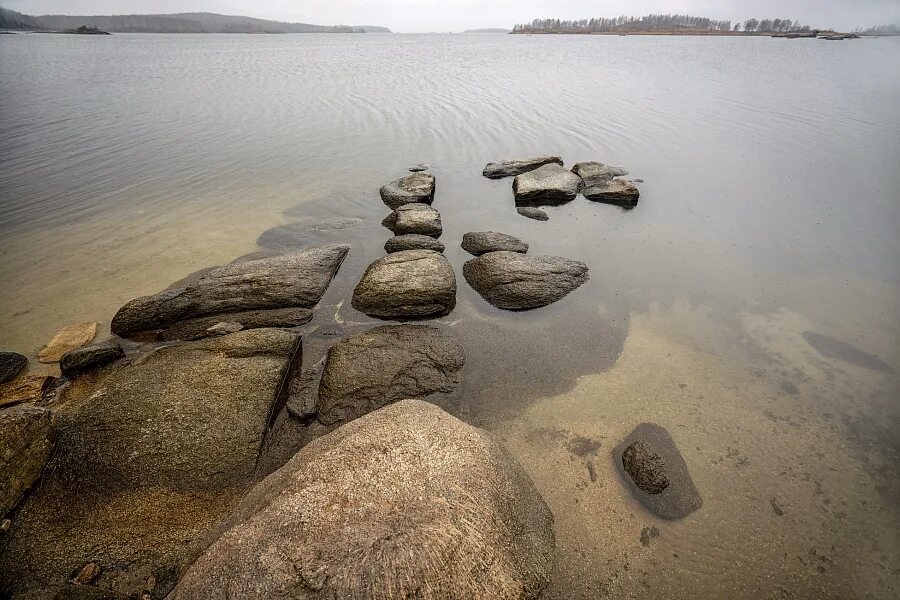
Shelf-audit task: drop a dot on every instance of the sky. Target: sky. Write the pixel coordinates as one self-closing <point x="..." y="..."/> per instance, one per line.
<point x="458" y="15"/>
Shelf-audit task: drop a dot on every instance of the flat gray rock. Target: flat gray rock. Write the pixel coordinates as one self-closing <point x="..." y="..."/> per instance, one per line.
<point x="510" y="168"/>
<point x="615" y="191"/>
<point x="532" y="212"/>
<point x="514" y="281"/>
<point x="195" y="329"/>
<point x="407" y="502"/>
<point x="11" y="364"/>
<point x="596" y="173"/>
<point x="412" y="241"/>
<point x="551" y="182"/>
<point x="79" y="360"/>
<point x="414" y="218"/>
<point x="382" y="365"/>
<point x="407" y="284"/>
<point x="295" y="279"/>
<point x="480" y="242"/>
<point x="25" y="445"/>
<point x="418" y="187"/>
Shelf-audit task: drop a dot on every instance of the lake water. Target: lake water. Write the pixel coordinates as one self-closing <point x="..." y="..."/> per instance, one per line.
<point x="766" y="236"/>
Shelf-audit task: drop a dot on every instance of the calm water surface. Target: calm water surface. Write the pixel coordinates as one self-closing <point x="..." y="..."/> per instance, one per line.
<point x="765" y="238"/>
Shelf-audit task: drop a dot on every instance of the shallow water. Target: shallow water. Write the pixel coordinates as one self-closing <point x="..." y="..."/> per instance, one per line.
<point x="750" y="303"/>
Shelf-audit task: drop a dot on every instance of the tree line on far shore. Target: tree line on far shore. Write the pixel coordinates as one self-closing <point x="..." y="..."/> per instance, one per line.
<point x="659" y="23"/>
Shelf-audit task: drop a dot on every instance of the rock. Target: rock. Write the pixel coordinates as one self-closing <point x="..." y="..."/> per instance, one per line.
<point x="418" y="168"/>
<point x="25" y="446"/>
<point x="27" y="388"/>
<point x="303" y="394"/>
<point x="414" y="218"/>
<point x="407" y="284"/>
<point x="514" y="281"/>
<point x="509" y="168"/>
<point x="533" y="212"/>
<point x="11" y="364"/>
<point x="83" y="359"/>
<point x="551" y="182"/>
<point x="303" y="235"/>
<point x="418" y="187"/>
<point x="67" y="338"/>
<point x="407" y="502"/>
<point x="224" y="328"/>
<point x="295" y="279"/>
<point x="412" y="241"/>
<point x="382" y="365"/>
<point x="480" y="242"/>
<point x="194" y="329"/>
<point x="656" y="473"/>
<point x="616" y="191"/>
<point x="88" y="574"/>
<point x="596" y="173"/>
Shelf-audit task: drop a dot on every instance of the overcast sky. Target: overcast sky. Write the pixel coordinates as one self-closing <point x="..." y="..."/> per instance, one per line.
<point x="456" y="15"/>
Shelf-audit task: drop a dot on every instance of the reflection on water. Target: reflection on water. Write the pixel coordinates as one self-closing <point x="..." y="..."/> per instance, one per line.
<point x="749" y="303"/>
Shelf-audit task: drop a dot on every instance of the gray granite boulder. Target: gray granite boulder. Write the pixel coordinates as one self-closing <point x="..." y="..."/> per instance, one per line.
<point x="615" y="191"/>
<point x="595" y="173"/>
<point x="481" y="242"/>
<point x="25" y="446"/>
<point x="295" y="279"/>
<point x="514" y="281"/>
<point x="382" y="365"/>
<point x="406" y="502"/>
<point x="407" y="284"/>
<point x="412" y="241"/>
<point x="414" y="218"/>
<point x="11" y="364"/>
<point x="551" y="182"/>
<point x="418" y="187"/>
<point x="90" y="357"/>
<point x="532" y="212"/>
<point x="510" y="168"/>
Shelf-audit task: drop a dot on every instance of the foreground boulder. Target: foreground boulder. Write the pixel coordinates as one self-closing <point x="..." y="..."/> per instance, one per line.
<point x="510" y="168"/>
<point x="84" y="359"/>
<point x="596" y="173"/>
<point x="412" y="241"/>
<point x="67" y="338"/>
<point x="407" y="284"/>
<point x="656" y="473"/>
<point x="414" y="218"/>
<point x="296" y="279"/>
<point x="418" y="187"/>
<point x="11" y="364"/>
<point x="514" y="281"/>
<point x="25" y="445"/>
<point x="533" y="212"/>
<point x="615" y="191"/>
<point x="407" y="502"/>
<point x="551" y="182"/>
<point x="481" y="242"/>
<point x="382" y="365"/>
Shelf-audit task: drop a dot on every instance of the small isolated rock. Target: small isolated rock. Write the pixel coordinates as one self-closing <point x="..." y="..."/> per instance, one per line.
<point x="224" y="328"/>
<point x="88" y="574"/>
<point x="25" y="445"/>
<point x="551" y="182"/>
<point x="11" y="364"/>
<point x="27" y="388"/>
<point x="532" y="212"/>
<point x="595" y="173"/>
<point x="418" y="187"/>
<point x="407" y="284"/>
<point x="480" y="242"/>
<point x="656" y="473"/>
<point x="616" y="191"/>
<point x="418" y="168"/>
<point x="84" y="359"/>
<point x="414" y="218"/>
<point x="514" y="281"/>
<point x="412" y="241"/>
<point x="509" y="168"/>
<point x="67" y="338"/>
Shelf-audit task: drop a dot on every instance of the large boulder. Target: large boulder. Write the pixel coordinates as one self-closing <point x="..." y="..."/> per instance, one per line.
<point x="407" y="502"/>
<point x="407" y="284"/>
<point x="412" y="241"/>
<point x="25" y="445"/>
<point x="418" y="187"/>
<point x="382" y="365"/>
<point x="615" y="191"/>
<point x="510" y="168"/>
<point x="596" y="173"/>
<point x="514" y="281"/>
<point x="550" y="183"/>
<point x="11" y="364"/>
<point x="296" y="279"/>
<point x="414" y="218"/>
<point x="482" y="242"/>
<point x="67" y="338"/>
<point x="84" y="359"/>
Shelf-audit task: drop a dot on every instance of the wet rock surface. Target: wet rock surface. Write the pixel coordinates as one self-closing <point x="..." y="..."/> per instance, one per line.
<point x="11" y="364"/>
<point x="510" y="168"/>
<point x="481" y="242"/>
<point x="418" y="187"/>
<point x="25" y="446"/>
<point x="84" y="359"/>
<point x="414" y="218"/>
<point x="27" y="388"/>
<point x="532" y="212"/>
<point x="597" y="173"/>
<point x="382" y="365"/>
<point x="67" y="338"/>
<point x="194" y="329"/>
<point x="303" y="394"/>
<point x="412" y="241"/>
<point x="655" y="472"/>
<point x="407" y="284"/>
<point x="514" y="281"/>
<point x="440" y="510"/>
<point x="551" y="182"/>
<point x="295" y="279"/>
<point x="615" y="191"/>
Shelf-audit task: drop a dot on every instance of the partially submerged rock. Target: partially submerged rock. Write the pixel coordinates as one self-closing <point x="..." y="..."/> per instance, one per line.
<point x="296" y="279"/>
<point x="412" y="241"/>
<point x="407" y="284"/>
<point x="533" y="212"/>
<point x="195" y="329"/>
<point x="656" y="473"/>
<point x="514" y="281"/>
<point x="407" y="502"/>
<point x="28" y="388"/>
<point x="382" y="365"/>
<point x="481" y="242"/>
<point x="304" y="234"/>
<point x="84" y="359"/>
<point x="596" y="173"/>
<point x="551" y="182"/>
<point x="25" y="445"/>
<point x="11" y="364"/>
<point x="615" y="191"/>
<point x="418" y="187"/>
<point x="414" y="218"/>
<point x="67" y="338"/>
<point x="510" y="168"/>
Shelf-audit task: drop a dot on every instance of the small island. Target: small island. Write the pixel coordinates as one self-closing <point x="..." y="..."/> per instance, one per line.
<point x="85" y="30"/>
